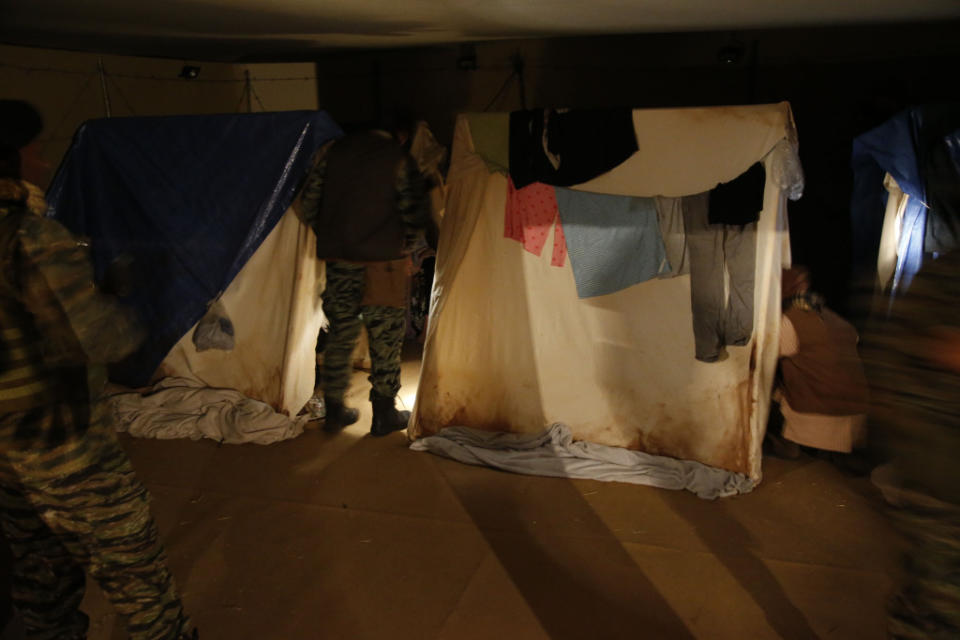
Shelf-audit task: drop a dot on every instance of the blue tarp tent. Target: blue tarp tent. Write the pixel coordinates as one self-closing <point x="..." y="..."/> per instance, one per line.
<point x="190" y="197"/>
<point x="920" y="149"/>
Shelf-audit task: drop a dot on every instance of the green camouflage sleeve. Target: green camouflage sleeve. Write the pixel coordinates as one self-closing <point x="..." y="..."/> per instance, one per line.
<point x="79" y="323"/>
<point x="412" y="202"/>
<point x="307" y="204"/>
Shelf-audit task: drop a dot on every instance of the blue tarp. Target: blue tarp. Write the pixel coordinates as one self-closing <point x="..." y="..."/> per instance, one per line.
<point x="938" y="144"/>
<point x="920" y="149"/>
<point x="889" y="148"/>
<point x="190" y="197"/>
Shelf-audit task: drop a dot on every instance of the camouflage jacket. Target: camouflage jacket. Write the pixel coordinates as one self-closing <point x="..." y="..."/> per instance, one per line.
<point x="55" y="325"/>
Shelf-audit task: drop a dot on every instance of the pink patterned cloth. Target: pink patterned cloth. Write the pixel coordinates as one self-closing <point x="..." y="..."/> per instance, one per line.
<point x="529" y="215"/>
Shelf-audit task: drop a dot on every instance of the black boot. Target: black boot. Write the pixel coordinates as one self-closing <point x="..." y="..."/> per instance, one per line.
<point x="338" y="416"/>
<point x="386" y="418"/>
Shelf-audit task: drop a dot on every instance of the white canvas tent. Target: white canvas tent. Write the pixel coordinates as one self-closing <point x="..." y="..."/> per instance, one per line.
<point x="510" y="347"/>
<point x="274" y="305"/>
<point x="202" y="202"/>
<point x="253" y="392"/>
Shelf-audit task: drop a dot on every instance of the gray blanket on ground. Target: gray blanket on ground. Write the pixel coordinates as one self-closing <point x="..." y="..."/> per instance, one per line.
<point x="554" y="453"/>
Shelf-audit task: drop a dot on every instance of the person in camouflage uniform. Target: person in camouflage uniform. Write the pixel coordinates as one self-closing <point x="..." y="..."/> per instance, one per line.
<point x="367" y="202"/>
<point x="913" y="364"/>
<point x="69" y="499"/>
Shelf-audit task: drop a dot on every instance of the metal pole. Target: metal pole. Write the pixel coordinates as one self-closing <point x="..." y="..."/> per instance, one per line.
<point x="379" y="114"/>
<point x="518" y="64"/>
<point x="103" y="86"/>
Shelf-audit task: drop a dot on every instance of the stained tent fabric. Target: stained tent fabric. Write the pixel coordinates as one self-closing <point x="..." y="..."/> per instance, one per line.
<point x="190" y="197"/>
<point x="510" y="347"/>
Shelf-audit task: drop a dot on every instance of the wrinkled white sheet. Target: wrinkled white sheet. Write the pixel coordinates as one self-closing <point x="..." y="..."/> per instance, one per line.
<point x="554" y="453"/>
<point x="185" y="408"/>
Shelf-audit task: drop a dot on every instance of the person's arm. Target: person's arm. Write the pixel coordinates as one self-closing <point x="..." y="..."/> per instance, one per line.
<point x="413" y="205"/>
<point x="307" y="203"/>
<point x="789" y="340"/>
<point x="79" y="323"/>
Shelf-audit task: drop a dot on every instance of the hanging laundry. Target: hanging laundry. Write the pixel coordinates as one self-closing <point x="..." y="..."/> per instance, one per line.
<point x="568" y="147"/>
<point x="530" y="214"/>
<point x="670" y="219"/>
<point x="614" y="241"/>
<point x="740" y="200"/>
<point x="722" y="315"/>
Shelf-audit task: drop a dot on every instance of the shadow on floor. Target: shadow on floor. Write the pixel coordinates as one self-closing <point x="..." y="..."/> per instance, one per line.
<point x="577" y="587"/>
<point x="733" y="546"/>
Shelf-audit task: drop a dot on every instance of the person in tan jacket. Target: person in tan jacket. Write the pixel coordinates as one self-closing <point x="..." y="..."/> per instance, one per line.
<point x="822" y="392"/>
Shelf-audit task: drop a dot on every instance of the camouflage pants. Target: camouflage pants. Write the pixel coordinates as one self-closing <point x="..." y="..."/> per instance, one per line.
<point x="342" y="304"/>
<point x="928" y="605"/>
<point x="79" y="506"/>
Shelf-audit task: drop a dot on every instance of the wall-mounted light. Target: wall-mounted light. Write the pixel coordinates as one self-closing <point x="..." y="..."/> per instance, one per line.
<point x="189" y="72"/>
<point x="468" y="58"/>
<point x="730" y="54"/>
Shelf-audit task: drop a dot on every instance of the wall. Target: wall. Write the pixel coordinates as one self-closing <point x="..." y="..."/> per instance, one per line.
<point x="67" y="88"/>
<point x="840" y="82"/>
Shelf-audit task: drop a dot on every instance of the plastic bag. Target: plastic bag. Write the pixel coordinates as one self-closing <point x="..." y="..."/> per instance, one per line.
<point x="783" y="164"/>
<point x="215" y="330"/>
<point x="315" y="408"/>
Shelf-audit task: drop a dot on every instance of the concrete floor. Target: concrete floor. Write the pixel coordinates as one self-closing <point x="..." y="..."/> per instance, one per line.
<point x="348" y="536"/>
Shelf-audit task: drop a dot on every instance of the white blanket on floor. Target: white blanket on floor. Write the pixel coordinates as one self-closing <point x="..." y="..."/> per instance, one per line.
<point x="554" y="453"/>
<point x="183" y="408"/>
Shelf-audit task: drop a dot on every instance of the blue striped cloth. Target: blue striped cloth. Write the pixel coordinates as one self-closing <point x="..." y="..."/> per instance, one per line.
<point x="613" y="241"/>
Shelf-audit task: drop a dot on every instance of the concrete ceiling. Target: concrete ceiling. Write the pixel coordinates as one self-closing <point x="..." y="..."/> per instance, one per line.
<point x="285" y="29"/>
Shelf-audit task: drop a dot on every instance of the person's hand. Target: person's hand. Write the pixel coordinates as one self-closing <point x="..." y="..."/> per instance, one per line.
<point x="120" y="278"/>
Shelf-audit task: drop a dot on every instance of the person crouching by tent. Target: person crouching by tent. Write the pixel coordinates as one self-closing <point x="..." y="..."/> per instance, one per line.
<point x="367" y="202"/>
<point x="823" y="392"/>
<point x="69" y="499"/>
